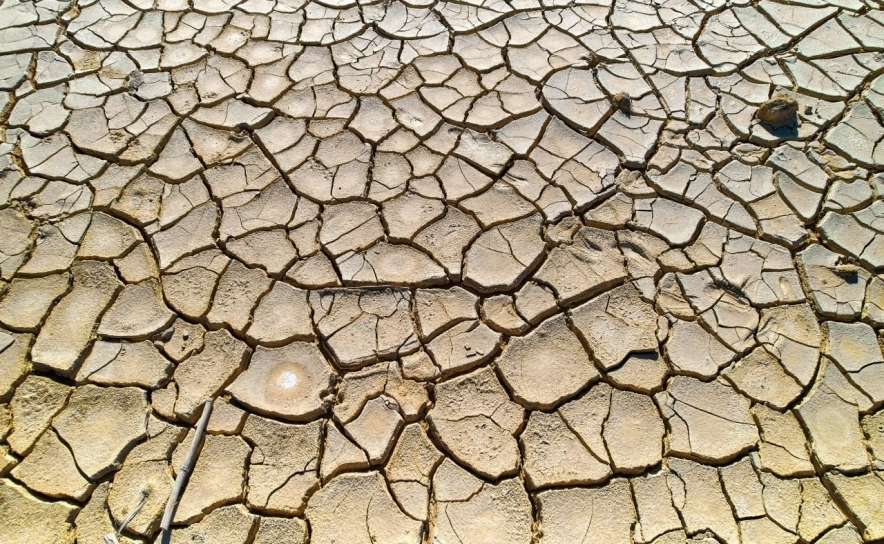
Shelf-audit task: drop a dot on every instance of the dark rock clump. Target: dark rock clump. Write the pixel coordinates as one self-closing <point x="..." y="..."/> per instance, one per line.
<point x="778" y="111"/>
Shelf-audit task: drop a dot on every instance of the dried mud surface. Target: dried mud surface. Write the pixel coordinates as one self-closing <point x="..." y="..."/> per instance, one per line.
<point x="454" y="272"/>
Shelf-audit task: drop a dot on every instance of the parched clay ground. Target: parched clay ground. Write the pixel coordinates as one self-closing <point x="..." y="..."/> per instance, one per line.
<point x="454" y="272"/>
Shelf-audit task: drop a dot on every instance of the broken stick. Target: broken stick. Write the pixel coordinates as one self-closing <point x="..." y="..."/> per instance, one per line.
<point x="185" y="470"/>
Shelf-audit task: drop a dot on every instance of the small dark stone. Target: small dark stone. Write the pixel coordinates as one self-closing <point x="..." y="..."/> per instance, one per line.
<point x="242" y="132"/>
<point x="136" y="78"/>
<point x="591" y="59"/>
<point x="778" y="111"/>
<point x="622" y="102"/>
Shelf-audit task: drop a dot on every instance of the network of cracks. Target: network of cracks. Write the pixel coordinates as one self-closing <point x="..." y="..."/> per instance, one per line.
<point x="454" y="272"/>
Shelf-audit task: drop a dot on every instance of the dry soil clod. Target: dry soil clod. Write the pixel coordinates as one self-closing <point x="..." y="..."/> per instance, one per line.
<point x="778" y="111"/>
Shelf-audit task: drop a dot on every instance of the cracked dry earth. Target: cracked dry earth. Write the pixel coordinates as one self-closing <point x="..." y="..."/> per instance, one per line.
<point x="472" y="272"/>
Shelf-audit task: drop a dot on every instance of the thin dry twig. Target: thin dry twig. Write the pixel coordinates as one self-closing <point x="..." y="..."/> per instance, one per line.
<point x="185" y="470"/>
